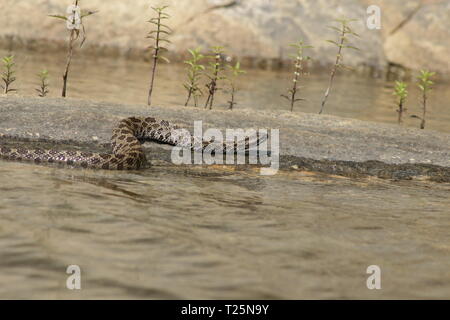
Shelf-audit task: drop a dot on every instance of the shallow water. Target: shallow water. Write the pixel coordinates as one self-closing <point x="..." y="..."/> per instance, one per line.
<point x="177" y="232"/>
<point x="192" y="232"/>
<point x="125" y="81"/>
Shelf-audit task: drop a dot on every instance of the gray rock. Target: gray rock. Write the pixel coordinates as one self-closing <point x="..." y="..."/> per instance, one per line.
<point x="323" y="143"/>
<point x="417" y="34"/>
<point x="256" y="29"/>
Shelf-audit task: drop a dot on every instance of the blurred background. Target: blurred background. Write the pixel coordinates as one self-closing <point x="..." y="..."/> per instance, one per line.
<point x="414" y="34"/>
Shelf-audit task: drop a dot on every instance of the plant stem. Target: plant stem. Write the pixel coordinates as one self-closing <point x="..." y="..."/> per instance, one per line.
<point x="194" y="73"/>
<point x="400" y="111"/>
<point x="298" y="70"/>
<point x="72" y="39"/>
<point x="155" y="60"/>
<point x="422" y="124"/>
<point x="195" y="101"/>
<point x="189" y="96"/>
<point x="232" y="103"/>
<point x="69" y="60"/>
<point x="213" y="84"/>
<point x="8" y="77"/>
<point x="211" y="101"/>
<point x="42" y="91"/>
<point x="333" y="71"/>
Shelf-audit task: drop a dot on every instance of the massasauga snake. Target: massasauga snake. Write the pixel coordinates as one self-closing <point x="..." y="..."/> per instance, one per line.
<point x="127" y="152"/>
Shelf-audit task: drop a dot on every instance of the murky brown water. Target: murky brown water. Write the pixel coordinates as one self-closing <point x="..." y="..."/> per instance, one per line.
<point x="172" y="232"/>
<point x="123" y="81"/>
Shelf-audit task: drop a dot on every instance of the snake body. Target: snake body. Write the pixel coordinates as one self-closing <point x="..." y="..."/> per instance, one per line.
<point x="127" y="151"/>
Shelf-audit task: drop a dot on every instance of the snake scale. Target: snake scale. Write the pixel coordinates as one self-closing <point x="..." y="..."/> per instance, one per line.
<point x="127" y="151"/>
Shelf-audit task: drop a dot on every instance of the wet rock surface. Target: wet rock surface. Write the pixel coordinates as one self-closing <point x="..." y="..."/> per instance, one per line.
<point x="307" y="141"/>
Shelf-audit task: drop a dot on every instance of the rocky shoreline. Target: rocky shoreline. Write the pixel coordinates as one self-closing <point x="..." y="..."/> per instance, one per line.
<point x="413" y="35"/>
<point x="308" y="142"/>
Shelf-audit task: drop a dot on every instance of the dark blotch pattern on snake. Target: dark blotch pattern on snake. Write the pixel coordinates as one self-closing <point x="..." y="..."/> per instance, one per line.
<point x="127" y="152"/>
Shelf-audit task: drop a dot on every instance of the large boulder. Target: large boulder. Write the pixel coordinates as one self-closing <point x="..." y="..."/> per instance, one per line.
<point x="262" y="28"/>
<point x="416" y="34"/>
<point x="256" y="29"/>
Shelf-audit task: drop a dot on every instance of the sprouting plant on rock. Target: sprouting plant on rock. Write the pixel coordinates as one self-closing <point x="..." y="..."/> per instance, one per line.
<point x="194" y="71"/>
<point x="236" y="71"/>
<point x="214" y="75"/>
<point x="401" y="92"/>
<point x="43" y="85"/>
<point x="424" y="84"/>
<point x="343" y="43"/>
<point x="158" y="35"/>
<point x="74" y="22"/>
<point x="8" y="75"/>
<point x="299" y="59"/>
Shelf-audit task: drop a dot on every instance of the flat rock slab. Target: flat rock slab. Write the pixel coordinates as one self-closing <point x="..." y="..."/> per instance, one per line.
<point x="304" y="138"/>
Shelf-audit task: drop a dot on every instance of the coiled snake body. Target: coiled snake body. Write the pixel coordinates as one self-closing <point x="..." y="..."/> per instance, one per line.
<point x="127" y="152"/>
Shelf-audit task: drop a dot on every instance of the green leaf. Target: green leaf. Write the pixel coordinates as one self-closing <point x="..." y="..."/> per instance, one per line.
<point x="165" y="26"/>
<point x="58" y="16"/>
<point x="88" y="13"/>
<point x="346" y="67"/>
<point x="156" y="31"/>
<point x="333" y="42"/>
<point x="160" y="9"/>
<point x="335" y="28"/>
<point x="164" y="59"/>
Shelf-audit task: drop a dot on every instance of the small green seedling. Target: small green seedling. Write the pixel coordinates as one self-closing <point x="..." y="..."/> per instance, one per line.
<point x="424" y="84"/>
<point x="341" y="44"/>
<point x="402" y="93"/>
<point x="8" y="75"/>
<point x="43" y="86"/>
<point x="74" y="22"/>
<point x="158" y="35"/>
<point x="215" y="70"/>
<point x="299" y="60"/>
<point x="236" y="71"/>
<point x="194" y="73"/>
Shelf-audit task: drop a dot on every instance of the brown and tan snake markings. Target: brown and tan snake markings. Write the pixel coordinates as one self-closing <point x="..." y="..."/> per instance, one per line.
<point x="127" y="152"/>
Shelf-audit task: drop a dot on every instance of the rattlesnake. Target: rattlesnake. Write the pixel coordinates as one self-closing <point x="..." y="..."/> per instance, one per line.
<point x="127" y="152"/>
